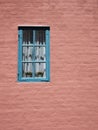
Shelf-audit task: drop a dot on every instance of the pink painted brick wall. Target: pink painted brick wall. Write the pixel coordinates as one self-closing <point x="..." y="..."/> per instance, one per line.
<point x="70" y="100"/>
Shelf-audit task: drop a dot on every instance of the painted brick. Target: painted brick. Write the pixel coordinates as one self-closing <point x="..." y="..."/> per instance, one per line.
<point x="70" y="100"/>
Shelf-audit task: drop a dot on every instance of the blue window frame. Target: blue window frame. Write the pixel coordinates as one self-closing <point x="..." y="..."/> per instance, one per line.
<point x="33" y="54"/>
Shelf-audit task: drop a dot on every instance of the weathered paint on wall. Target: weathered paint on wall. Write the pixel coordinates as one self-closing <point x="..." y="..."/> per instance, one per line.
<point x="70" y="100"/>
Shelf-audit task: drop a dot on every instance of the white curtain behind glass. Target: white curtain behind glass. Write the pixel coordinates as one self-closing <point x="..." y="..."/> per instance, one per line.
<point x="40" y="52"/>
<point x="27" y="53"/>
<point x="36" y="53"/>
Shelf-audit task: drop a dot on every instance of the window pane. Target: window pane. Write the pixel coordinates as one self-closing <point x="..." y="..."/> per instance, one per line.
<point x="40" y="53"/>
<point x="28" y="54"/>
<point x="40" y="36"/>
<point x="27" y="69"/>
<point x="27" y="36"/>
<point x="40" y="70"/>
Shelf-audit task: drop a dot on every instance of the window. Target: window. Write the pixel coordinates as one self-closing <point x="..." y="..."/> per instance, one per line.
<point x="33" y="54"/>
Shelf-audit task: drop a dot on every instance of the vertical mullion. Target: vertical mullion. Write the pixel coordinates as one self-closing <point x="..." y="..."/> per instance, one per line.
<point x="47" y="55"/>
<point x="33" y="53"/>
<point x="20" y="54"/>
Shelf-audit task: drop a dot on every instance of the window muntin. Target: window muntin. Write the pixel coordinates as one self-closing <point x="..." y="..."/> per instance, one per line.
<point x="33" y="54"/>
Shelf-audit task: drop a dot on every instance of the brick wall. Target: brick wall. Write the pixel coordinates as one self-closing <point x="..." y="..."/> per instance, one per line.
<point x="70" y="100"/>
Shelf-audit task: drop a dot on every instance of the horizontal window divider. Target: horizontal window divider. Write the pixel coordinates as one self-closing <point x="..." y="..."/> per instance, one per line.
<point x="34" y="78"/>
<point x="33" y="45"/>
<point x="33" y="61"/>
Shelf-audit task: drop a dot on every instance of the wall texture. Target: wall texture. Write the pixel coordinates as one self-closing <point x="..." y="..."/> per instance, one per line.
<point x="70" y="100"/>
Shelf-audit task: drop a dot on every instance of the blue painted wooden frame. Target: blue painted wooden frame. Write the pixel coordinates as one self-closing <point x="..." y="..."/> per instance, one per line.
<point x="20" y="38"/>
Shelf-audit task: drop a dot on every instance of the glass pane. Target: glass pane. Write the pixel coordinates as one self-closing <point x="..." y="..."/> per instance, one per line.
<point x="40" y="70"/>
<point x="27" y="69"/>
<point x="27" y="36"/>
<point x="40" y="37"/>
<point x="40" y="53"/>
<point x="28" y="54"/>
